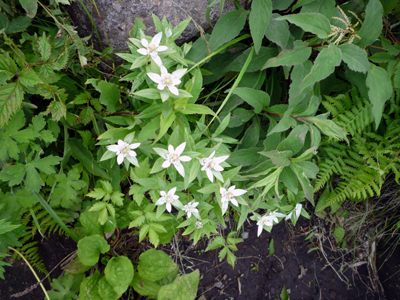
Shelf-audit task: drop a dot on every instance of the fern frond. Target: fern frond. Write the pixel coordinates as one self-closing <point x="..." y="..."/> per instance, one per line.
<point x="31" y="254"/>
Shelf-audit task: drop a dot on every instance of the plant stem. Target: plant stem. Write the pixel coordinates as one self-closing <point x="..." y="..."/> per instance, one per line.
<point x="33" y="271"/>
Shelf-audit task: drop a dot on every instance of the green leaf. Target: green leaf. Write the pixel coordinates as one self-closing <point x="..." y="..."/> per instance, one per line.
<point x="155" y="264"/>
<point x="227" y="28"/>
<point x="11" y="96"/>
<point x="380" y="90"/>
<point x="30" y="7"/>
<point x="271" y="248"/>
<point x="298" y="55"/>
<point x="119" y="273"/>
<point x="244" y="157"/>
<point x="19" y="24"/>
<point x="281" y="4"/>
<point x="44" y="47"/>
<point x="339" y="234"/>
<point x="295" y="140"/>
<point x="105" y="289"/>
<point x="183" y="288"/>
<point x="145" y="287"/>
<point x="304" y="182"/>
<point x="284" y="294"/>
<point x="279" y="158"/>
<point x="297" y="75"/>
<point x="372" y="25"/>
<point x="278" y="32"/>
<point x="149" y="94"/>
<point x="256" y="98"/>
<point x="260" y="15"/>
<point x="191" y="109"/>
<point x="89" y="289"/>
<point x="311" y="22"/>
<point x="355" y="57"/>
<point x="324" y="65"/>
<point x="325" y="7"/>
<point x="90" y="247"/>
<point x="110" y="94"/>
<point x="82" y="154"/>
<point x="329" y="127"/>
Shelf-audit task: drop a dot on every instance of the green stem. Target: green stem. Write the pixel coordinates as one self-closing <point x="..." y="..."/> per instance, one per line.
<point x="33" y="271"/>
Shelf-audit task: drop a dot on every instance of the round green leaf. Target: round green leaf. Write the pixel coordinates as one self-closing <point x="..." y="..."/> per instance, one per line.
<point x="119" y="273"/>
<point x="90" y="247"/>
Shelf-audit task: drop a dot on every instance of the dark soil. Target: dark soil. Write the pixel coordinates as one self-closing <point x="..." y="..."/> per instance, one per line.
<point x="256" y="274"/>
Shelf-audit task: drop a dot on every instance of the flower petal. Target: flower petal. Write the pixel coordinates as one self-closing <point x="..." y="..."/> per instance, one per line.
<point x="220" y="159"/>
<point x="113" y="148"/>
<point x="169" y="207"/>
<point x="163" y="193"/>
<point x="145" y="43"/>
<point x="212" y="155"/>
<point x="121" y="143"/>
<point x="222" y="191"/>
<point x="162" y="48"/>
<point x="185" y="158"/>
<point x="179" y="73"/>
<point x="238" y="192"/>
<point x="120" y="159"/>
<point x="132" y="153"/>
<point x="173" y="90"/>
<point x="161" y="86"/>
<point x="157" y="59"/>
<point x="166" y="164"/>
<point x="134" y="146"/>
<point x="142" y="51"/>
<point x="175" y="81"/>
<point x="155" y="77"/>
<point x="260" y="228"/>
<point x="234" y="202"/>
<point x="133" y="160"/>
<point x="210" y="175"/>
<point x="172" y="191"/>
<point x="180" y="148"/>
<point x="218" y="168"/>
<point x="171" y="149"/>
<point x="157" y="39"/>
<point x="224" y="207"/>
<point x="160" y="201"/>
<point x="164" y="71"/>
<point x="180" y="169"/>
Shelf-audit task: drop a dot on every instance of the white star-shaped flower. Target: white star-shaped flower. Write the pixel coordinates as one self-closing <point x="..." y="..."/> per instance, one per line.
<point x="212" y="163"/>
<point x="198" y="225"/>
<point x="190" y="209"/>
<point x="169" y="198"/>
<point x="173" y="156"/>
<point x="227" y="195"/>
<point x="153" y="48"/>
<point x="273" y="216"/>
<point x="168" y="80"/>
<point x="297" y="210"/>
<point x="264" y="221"/>
<point x="124" y="150"/>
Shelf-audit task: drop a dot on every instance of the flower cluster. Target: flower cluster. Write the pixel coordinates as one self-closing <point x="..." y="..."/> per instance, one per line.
<point x="165" y="80"/>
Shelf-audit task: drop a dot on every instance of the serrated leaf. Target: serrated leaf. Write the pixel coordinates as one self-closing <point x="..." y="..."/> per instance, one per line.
<point x="57" y="109"/>
<point x="227" y="28"/>
<point x="380" y="90"/>
<point x="29" y="78"/>
<point x="382" y="57"/>
<point x="110" y="94"/>
<point x="30" y="7"/>
<point x="260" y="15"/>
<point x="355" y="57"/>
<point x="11" y="96"/>
<point x="372" y="25"/>
<point x="298" y="55"/>
<point x="324" y="65"/>
<point x="44" y="47"/>
<point x="61" y="62"/>
<point x="311" y="22"/>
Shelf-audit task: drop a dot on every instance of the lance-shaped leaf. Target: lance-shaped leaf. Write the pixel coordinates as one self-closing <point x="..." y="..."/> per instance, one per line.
<point x="279" y="158"/>
<point x="324" y="65"/>
<point x="256" y="98"/>
<point x="380" y="90"/>
<point x="295" y="140"/>
<point x="372" y="25"/>
<point x="260" y="15"/>
<point x="329" y="127"/>
<point x="297" y="56"/>
<point x="298" y="74"/>
<point x="355" y="57"/>
<point x="304" y="182"/>
<point x="278" y="32"/>
<point x="311" y="22"/>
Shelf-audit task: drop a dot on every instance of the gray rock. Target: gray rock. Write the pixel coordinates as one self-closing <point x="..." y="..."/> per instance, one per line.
<point x="117" y="18"/>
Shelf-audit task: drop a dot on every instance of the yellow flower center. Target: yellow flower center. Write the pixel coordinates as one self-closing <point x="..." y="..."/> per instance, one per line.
<point x="125" y="150"/>
<point x="175" y="157"/>
<point x="230" y="196"/>
<point x="168" y="199"/>
<point x="167" y="81"/>
<point x="152" y="48"/>
<point x="265" y="222"/>
<point x="212" y="164"/>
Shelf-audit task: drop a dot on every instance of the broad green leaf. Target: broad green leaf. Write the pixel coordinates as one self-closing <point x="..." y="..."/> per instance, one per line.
<point x="227" y="28"/>
<point x="11" y="96"/>
<point x="284" y="124"/>
<point x="268" y="182"/>
<point x="89" y="289"/>
<point x="279" y="158"/>
<point x="191" y="109"/>
<point x="329" y="127"/>
<point x="295" y="140"/>
<point x="339" y="234"/>
<point x="105" y="289"/>
<point x="355" y="57"/>
<point x="324" y="7"/>
<point x="298" y="55"/>
<point x="244" y="157"/>
<point x="281" y="4"/>
<point x="289" y="179"/>
<point x="256" y="98"/>
<point x="278" y="32"/>
<point x="30" y="7"/>
<point x="110" y="94"/>
<point x="311" y="22"/>
<point x="119" y="273"/>
<point x="298" y="74"/>
<point x="183" y="288"/>
<point x="165" y="124"/>
<point x="380" y="90"/>
<point x="324" y="65"/>
<point x="8" y="68"/>
<point x="82" y="154"/>
<point x="310" y="169"/>
<point x="260" y="15"/>
<point x="145" y="287"/>
<point x="90" y="247"/>
<point x="304" y="182"/>
<point x="251" y="136"/>
<point x="284" y="294"/>
<point x="149" y="93"/>
<point x="372" y="25"/>
<point x="19" y="24"/>
<point x="240" y="116"/>
<point x="155" y="264"/>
